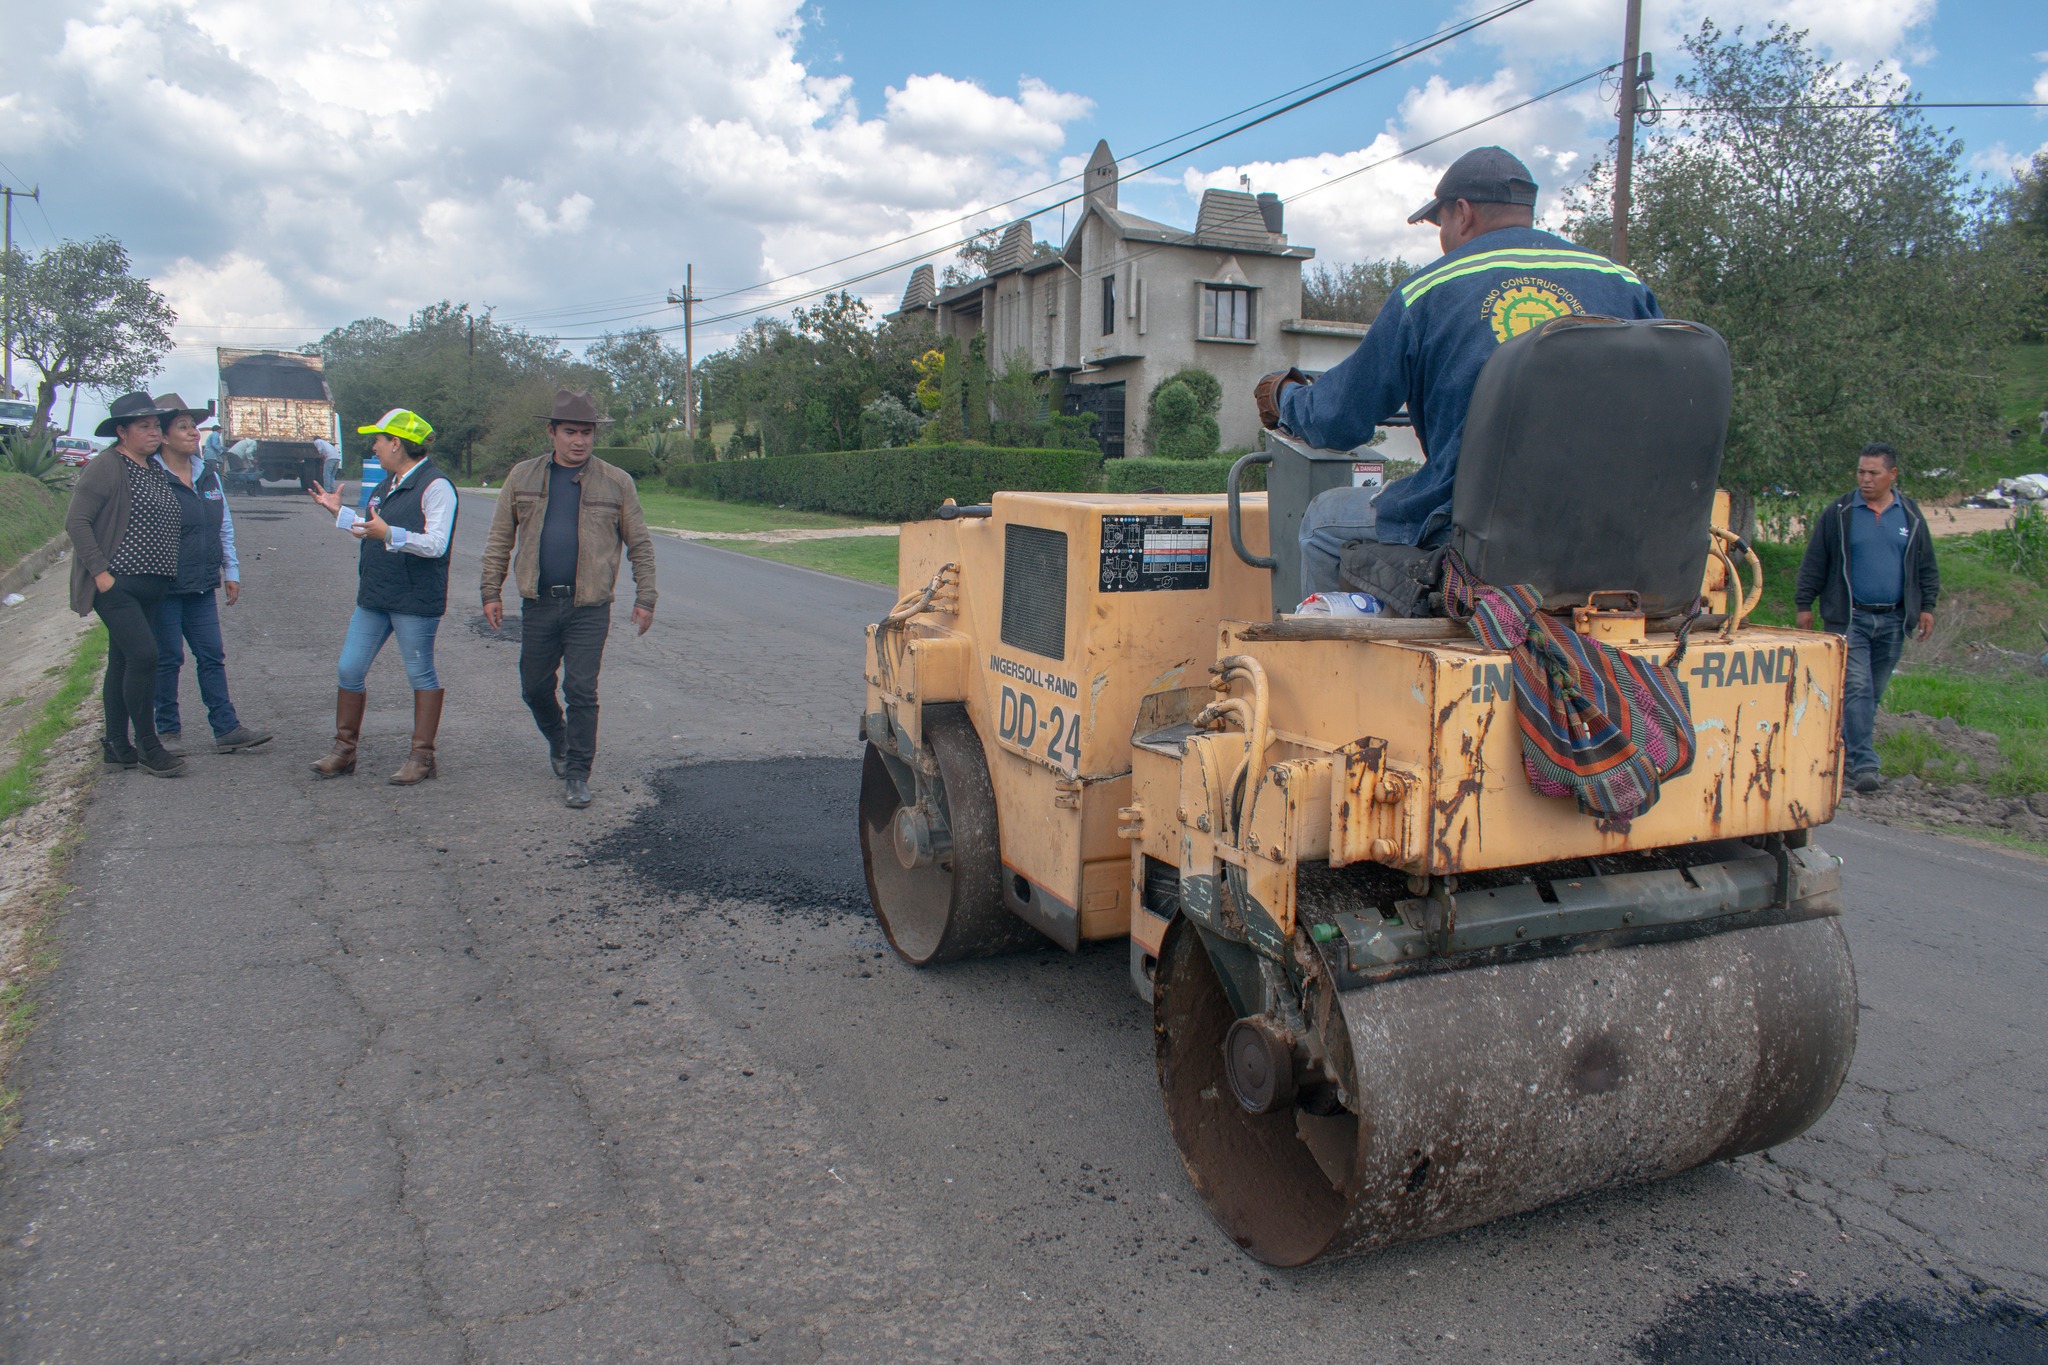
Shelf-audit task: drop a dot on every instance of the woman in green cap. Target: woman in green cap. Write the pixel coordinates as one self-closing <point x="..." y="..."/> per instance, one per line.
<point x="402" y="588"/>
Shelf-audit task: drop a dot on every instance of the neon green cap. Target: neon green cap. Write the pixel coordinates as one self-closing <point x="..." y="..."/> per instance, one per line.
<point x="402" y="423"/>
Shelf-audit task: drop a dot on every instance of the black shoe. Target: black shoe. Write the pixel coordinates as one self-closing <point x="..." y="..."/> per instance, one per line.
<point x="120" y="757"/>
<point x="1869" y="780"/>
<point x="240" y="738"/>
<point x="558" y="756"/>
<point x="169" y="739"/>
<point x="576" y="793"/>
<point x="162" y="763"/>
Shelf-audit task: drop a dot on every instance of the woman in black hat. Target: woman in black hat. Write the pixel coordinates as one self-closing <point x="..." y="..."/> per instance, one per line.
<point x="190" y="613"/>
<point x="125" y="527"/>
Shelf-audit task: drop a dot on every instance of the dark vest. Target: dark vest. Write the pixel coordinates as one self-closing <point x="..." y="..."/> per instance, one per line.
<point x="390" y="580"/>
<point x="204" y="507"/>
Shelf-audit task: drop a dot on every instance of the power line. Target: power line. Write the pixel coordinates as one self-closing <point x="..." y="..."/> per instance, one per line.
<point x="1329" y="84"/>
<point x="1415" y="50"/>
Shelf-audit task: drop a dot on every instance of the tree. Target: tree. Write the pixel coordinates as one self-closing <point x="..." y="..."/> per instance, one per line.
<point x="949" y="420"/>
<point x="483" y="385"/>
<point x="1182" y="415"/>
<point x="977" y="388"/>
<point x="1351" y="293"/>
<point x="931" y="374"/>
<point x="80" y="318"/>
<point x="2024" y="208"/>
<point x="1858" y="281"/>
<point x="646" y="373"/>
<point x="886" y="424"/>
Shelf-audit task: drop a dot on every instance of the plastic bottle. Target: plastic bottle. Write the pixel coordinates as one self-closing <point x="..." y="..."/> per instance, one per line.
<point x="1341" y="604"/>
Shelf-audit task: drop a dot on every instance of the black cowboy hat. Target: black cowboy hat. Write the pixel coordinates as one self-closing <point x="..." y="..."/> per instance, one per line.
<point x="171" y="405"/>
<point x="574" y="405"/>
<point x="129" y="407"/>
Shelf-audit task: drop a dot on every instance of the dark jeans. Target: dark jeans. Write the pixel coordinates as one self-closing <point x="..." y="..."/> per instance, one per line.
<point x="129" y="692"/>
<point x="1875" y="642"/>
<point x="192" y="618"/>
<point x="556" y="635"/>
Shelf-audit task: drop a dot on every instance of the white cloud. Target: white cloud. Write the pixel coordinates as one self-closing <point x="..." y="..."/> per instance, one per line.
<point x="1857" y="31"/>
<point x="944" y="114"/>
<point x="272" y="164"/>
<point x="1363" y="212"/>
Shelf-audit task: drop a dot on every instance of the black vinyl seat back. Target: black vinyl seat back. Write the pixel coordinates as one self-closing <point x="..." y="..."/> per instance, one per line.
<point x="1590" y="457"/>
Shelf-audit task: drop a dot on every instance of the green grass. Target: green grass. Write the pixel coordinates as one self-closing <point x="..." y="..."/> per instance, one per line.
<point x="29" y="515"/>
<point x="80" y="680"/>
<point x="2013" y="705"/>
<point x="680" y="511"/>
<point x="872" y="559"/>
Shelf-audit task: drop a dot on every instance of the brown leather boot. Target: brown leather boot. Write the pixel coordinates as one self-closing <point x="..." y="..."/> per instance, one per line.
<point x="348" y="727"/>
<point x="426" y="720"/>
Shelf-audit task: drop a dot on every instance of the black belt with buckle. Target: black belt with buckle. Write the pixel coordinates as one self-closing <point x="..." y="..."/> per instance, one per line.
<point x="1875" y="610"/>
<point x="569" y="590"/>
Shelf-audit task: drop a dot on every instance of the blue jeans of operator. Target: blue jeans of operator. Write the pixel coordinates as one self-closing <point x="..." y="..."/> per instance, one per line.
<point x="1875" y="641"/>
<point x="192" y="618"/>
<point x="368" y="629"/>
<point x="1335" y="518"/>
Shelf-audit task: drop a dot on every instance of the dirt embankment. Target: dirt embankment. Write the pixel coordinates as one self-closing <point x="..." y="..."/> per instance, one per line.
<point x="1966" y="804"/>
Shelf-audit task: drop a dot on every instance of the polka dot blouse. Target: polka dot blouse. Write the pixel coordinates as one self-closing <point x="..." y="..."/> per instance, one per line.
<point x="149" y="545"/>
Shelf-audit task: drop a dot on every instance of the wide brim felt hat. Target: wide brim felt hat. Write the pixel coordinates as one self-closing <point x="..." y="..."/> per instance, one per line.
<point x="171" y="405"/>
<point x="129" y="407"/>
<point x="574" y="405"/>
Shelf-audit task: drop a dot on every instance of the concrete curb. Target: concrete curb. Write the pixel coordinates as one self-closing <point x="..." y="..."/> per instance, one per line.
<point x="31" y="565"/>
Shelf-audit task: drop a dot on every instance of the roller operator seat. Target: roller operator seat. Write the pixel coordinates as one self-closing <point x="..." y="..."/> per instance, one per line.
<point x="1591" y="454"/>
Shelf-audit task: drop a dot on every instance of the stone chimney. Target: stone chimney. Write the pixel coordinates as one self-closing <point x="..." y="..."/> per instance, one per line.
<point x="1099" y="181"/>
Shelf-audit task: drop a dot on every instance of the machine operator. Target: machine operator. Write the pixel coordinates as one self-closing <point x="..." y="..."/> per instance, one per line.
<point x="1498" y="277"/>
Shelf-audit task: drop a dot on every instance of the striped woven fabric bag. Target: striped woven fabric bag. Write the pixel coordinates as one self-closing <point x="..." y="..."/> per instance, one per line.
<point x="1598" y="725"/>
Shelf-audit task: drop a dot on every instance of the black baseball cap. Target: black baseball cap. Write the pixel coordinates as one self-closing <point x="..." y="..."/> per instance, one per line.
<point x="1484" y="175"/>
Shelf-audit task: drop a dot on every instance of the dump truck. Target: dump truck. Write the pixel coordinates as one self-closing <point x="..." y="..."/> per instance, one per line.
<point x="1396" y="989"/>
<point x="279" y="400"/>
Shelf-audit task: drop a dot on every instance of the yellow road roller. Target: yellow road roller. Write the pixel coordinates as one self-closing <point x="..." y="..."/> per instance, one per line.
<point x="1399" y="986"/>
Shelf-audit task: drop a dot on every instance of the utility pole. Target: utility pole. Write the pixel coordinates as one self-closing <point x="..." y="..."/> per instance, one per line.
<point x="1625" y="149"/>
<point x="7" y="309"/>
<point x="688" y="300"/>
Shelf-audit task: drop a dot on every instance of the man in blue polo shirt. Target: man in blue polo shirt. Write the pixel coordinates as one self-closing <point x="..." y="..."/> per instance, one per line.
<point x="1870" y="567"/>
<point x="1498" y="278"/>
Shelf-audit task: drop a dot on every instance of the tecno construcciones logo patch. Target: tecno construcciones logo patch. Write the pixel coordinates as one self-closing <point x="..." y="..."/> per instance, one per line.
<point x="1517" y="305"/>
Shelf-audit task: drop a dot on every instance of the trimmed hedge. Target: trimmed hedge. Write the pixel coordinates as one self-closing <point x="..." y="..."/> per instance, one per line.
<point x="30" y="514"/>
<point x="1133" y="474"/>
<point x="634" y="460"/>
<point x="891" y="485"/>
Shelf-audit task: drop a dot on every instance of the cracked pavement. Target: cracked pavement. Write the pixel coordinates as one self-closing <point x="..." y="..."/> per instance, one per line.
<point x="346" y="1072"/>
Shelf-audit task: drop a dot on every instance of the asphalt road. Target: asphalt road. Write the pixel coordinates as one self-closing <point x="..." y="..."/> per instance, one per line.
<point x="346" y="1072"/>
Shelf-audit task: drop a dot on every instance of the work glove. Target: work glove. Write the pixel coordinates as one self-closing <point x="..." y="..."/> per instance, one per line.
<point x="1268" y="394"/>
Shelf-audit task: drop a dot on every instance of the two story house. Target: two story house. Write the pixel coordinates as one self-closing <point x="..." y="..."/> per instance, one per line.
<point x="1128" y="301"/>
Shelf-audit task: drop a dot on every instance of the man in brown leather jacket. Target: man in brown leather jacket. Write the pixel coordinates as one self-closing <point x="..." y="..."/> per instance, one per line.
<point x="562" y="519"/>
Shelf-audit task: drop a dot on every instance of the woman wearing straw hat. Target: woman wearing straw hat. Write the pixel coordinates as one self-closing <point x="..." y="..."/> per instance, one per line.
<point x="125" y="525"/>
<point x="190" y="613"/>
<point x="402" y="576"/>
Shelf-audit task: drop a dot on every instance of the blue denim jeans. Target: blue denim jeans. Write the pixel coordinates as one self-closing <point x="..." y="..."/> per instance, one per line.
<point x="1335" y="517"/>
<point x="1875" y="642"/>
<point x="367" y="632"/>
<point x="192" y="618"/>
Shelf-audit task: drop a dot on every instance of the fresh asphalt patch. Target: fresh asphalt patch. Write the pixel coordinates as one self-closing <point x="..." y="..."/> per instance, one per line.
<point x="1728" y="1323"/>
<point x="777" y="832"/>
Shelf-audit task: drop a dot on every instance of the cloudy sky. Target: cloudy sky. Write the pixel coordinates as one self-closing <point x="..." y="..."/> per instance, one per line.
<point x="279" y="169"/>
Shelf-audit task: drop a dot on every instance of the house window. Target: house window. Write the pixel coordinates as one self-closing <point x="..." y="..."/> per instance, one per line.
<point x="1226" y="312"/>
<point x="1108" y="304"/>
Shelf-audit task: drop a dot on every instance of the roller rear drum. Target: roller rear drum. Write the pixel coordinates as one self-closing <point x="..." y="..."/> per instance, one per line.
<point x="1489" y="1091"/>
